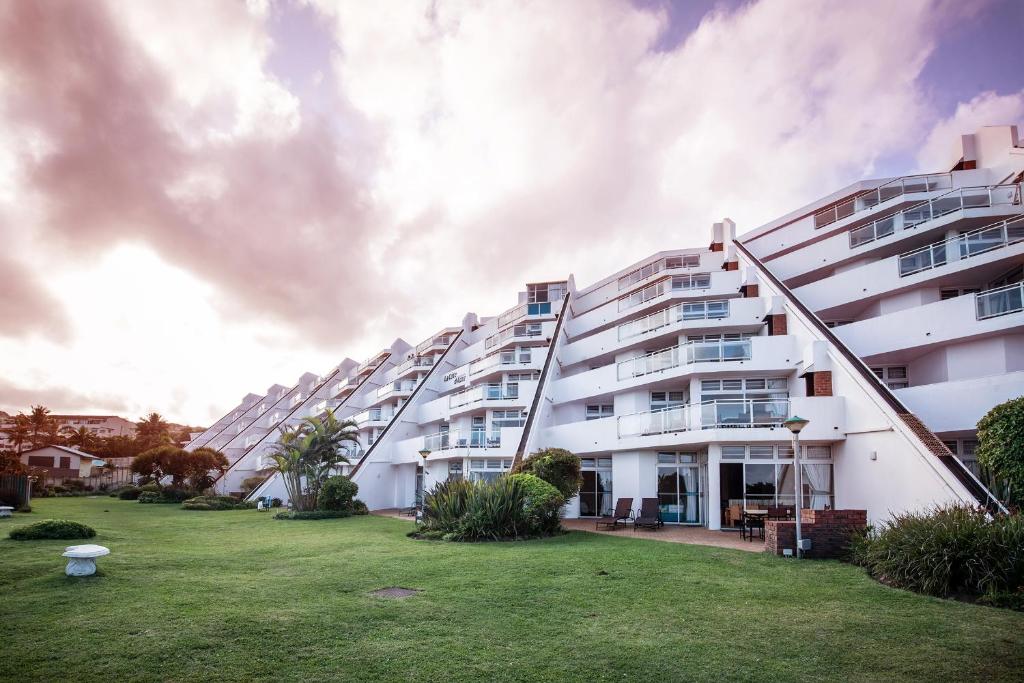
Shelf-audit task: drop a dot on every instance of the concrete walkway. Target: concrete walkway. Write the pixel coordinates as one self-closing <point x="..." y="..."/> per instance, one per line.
<point x="670" y="533"/>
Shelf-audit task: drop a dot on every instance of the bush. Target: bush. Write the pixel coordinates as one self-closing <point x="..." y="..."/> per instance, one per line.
<point x="74" y="485"/>
<point x="52" y="528"/>
<point x="216" y="503"/>
<point x="556" y="466"/>
<point x="312" y="514"/>
<point x="129" y="493"/>
<point x="951" y="551"/>
<point x="249" y="484"/>
<point x="337" y="493"/>
<point x="152" y="487"/>
<point x="165" y="496"/>
<point x="276" y="502"/>
<point x="359" y="508"/>
<point x="543" y="503"/>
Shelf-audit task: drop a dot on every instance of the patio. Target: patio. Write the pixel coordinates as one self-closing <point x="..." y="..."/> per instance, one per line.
<point x="690" y="535"/>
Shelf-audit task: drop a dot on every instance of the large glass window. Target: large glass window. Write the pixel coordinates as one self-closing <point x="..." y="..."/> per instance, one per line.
<point x="596" y="491"/>
<point x="759" y="476"/>
<point x="596" y="412"/>
<point x="679" y="488"/>
<point x="489" y="469"/>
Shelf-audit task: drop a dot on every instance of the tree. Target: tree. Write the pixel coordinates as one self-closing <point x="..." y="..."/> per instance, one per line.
<point x="558" y="467"/>
<point x="152" y="431"/>
<point x="41" y="425"/>
<point x="19" y="432"/>
<point x="1001" y="447"/>
<point x="148" y="464"/>
<point x="305" y="455"/>
<point x="80" y="438"/>
<point x="201" y="463"/>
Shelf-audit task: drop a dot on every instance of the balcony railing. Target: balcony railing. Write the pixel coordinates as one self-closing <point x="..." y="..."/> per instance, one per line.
<point x="495" y="359"/>
<point x="416" y="362"/>
<point x="397" y="387"/>
<point x="697" y="310"/>
<point x="999" y="301"/>
<point x="980" y="241"/>
<point x="951" y="202"/>
<point x="684" y="354"/>
<point x="516" y="331"/>
<point x="712" y="414"/>
<point x="883" y="193"/>
<point x="371" y="415"/>
<point x="642" y="295"/>
<point x="440" y="340"/>
<point x="483" y="393"/>
<point x="371" y="363"/>
<point x="667" y="263"/>
<point x="444" y="441"/>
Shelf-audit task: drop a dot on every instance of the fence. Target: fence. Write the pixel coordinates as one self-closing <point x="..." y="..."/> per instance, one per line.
<point x="15" y="489"/>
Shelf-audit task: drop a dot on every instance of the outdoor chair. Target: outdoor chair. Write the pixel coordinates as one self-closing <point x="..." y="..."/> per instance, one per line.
<point x="649" y="516"/>
<point x="623" y="512"/>
<point x="752" y="523"/>
<point x="782" y="512"/>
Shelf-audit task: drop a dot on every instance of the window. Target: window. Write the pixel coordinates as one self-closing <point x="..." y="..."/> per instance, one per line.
<point x="679" y="495"/>
<point x="545" y="292"/>
<point x="728" y="336"/>
<point x="667" y="399"/>
<point x="40" y="461"/>
<point x="954" y="292"/>
<point x="894" y="376"/>
<point x="527" y="330"/>
<point x="507" y="418"/>
<point x="748" y="388"/>
<point x="683" y="261"/>
<point x="488" y="470"/>
<point x="454" y="470"/>
<point x="596" y="412"/>
<point x="596" y="490"/>
<point x="695" y="281"/>
<point x="837" y="323"/>
<point x="522" y="376"/>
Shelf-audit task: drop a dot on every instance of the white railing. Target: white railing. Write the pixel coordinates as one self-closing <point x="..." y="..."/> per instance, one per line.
<point x="517" y="331"/>
<point x="483" y="393"/>
<point x="697" y="310"/>
<point x="439" y="340"/>
<point x="444" y="441"/>
<point x="695" y="281"/>
<point x="956" y="200"/>
<point x="371" y="415"/>
<point x="371" y="363"/>
<point x="667" y="263"/>
<point x="684" y="354"/>
<point x="642" y="295"/>
<point x="883" y="193"/>
<point x="999" y="301"/>
<point x="711" y="414"/>
<point x="397" y="387"/>
<point x="973" y="243"/>
<point x="495" y="359"/>
<point x="512" y="315"/>
<point x="416" y="362"/>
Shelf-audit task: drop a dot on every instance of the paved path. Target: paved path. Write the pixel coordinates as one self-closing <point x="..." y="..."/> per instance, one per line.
<point x="669" y="533"/>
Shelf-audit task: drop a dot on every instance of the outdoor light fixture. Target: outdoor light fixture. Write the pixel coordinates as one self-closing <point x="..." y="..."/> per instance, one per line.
<point x="425" y="453"/>
<point x="796" y="424"/>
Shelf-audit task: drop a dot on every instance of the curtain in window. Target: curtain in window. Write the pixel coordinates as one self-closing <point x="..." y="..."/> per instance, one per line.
<point x="818" y="478"/>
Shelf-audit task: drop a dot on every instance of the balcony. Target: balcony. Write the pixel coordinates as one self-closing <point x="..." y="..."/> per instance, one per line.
<point x="415" y="363"/>
<point x="516" y="332"/>
<point x="650" y="269"/>
<point x="999" y="301"/>
<point x="490" y="392"/>
<point x="713" y="414"/>
<point x="973" y="243"/>
<point x="514" y="315"/>
<point x="395" y="389"/>
<point x="698" y="310"/>
<point x="504" y="358"/>
<point x="372" y="363"/>
<point x="684" y="354"/>
<point x="374" y="417"/>
<point x="951" y="202"/>
<point x="478" y="439"/>
<point x="883" y="193"/>
<point x="437" y="342"/>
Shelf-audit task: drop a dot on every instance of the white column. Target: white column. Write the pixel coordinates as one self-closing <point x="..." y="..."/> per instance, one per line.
<point x="713" y="493"/>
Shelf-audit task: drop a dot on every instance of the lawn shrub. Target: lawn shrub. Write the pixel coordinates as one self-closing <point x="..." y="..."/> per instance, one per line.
<point x="276" y="502"/>
<point x="337" y="493"/>
<point x="558" y="467"/>
<point x="129" y="493"/>
<point x="167" y="495"/>
<point x="509" y="508"/>
<point x="216" y="503"/>
<point x="359" y="508"/>
<point x="152" y="487"/>
<point x="52" y="529"/>
<point x="950" y="551"/>
<point x="312" y="514"/>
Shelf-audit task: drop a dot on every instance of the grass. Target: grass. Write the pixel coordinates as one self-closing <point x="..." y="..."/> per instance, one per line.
<point x="233" y="596"/>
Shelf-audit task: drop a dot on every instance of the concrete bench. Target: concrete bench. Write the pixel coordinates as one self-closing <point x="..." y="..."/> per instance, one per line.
<point x="82" y="559"/>
<point x="6" y="510"/>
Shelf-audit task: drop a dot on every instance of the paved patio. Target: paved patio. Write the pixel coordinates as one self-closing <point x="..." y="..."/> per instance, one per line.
<point x="670" y="533"/>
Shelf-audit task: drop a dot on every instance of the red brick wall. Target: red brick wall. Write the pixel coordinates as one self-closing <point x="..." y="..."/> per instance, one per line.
<point x="777" y="324"/>
<point x="829" y="531"/>
<point x="749" y="291"/>
<point x="731" y="265"/>
<point x="823" y="383"/>
<point x="717" y="246"/>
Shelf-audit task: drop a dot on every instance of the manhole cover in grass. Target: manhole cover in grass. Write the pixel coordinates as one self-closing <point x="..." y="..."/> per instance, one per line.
<point x="394" y="592"/>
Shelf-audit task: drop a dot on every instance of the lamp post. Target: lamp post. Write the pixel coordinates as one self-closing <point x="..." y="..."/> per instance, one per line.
<point x="795" y="424"/>
<point x="423" y="486"/>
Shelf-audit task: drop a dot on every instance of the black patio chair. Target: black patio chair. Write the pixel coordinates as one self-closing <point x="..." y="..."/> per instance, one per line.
<point x="752" y="523"/>
<point x="623" y="512"/>
<point x="649" y="516"/>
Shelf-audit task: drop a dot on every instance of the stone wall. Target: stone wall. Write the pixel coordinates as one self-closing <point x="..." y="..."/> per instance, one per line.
<point x="829" y="531"/>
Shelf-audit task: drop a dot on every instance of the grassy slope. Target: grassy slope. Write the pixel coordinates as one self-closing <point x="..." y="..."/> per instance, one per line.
<point x="240" y="596"/>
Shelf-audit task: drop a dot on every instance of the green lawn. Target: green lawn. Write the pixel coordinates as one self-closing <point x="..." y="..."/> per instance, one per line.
<point x="238" y="596"/>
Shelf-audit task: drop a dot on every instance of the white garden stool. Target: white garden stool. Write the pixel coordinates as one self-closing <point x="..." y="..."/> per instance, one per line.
<point x="6" y="510"/>
<point x="82" y="559"/>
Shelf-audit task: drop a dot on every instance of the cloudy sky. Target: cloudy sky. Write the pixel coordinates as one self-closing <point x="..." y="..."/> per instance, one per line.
<point x="199" y="199"/>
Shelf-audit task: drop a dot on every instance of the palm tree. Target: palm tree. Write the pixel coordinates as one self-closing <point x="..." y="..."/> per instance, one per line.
<point x="80" y="438"/>
<point x="152" y="431"/>
<point x="40" y="422"/>
<point x="19" y="432"/>
<point x="306" y="454"/>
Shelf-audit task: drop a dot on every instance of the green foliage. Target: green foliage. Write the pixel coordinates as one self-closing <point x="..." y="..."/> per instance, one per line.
<point x="558" y="467"/>
<point x="337" y="493"/>
<point x="250" y="484"/>
<point x="358" y="507"/>
<point x="307" y="454"/>
<point x="512" y="507"/>
<point x="216" y="503"/>
<point x="543" y="503"/>
<point x="1001" y="447"/>
<point x="52" y="529"/>
<point x="954" y="550"/>
<point x="152" y="486"/>
<point x="312" y="514"/>
<point x="167" y="495"/>
<point x="196" y="469"/>
<point x="129" y="493"/>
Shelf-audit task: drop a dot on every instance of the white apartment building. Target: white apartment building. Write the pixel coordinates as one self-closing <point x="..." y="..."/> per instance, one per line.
<point x="671" y="378"/>
<point x="921" y="277"/>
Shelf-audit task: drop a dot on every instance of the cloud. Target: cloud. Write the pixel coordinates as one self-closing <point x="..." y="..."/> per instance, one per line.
<point x="58" y="399"/>
<point x="986" y="109"/>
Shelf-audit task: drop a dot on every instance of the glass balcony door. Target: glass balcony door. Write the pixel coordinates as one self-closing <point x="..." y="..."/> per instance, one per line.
<point x="679" y="488"/>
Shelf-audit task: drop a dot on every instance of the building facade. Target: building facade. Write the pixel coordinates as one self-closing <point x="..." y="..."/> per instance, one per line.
<point x="671" y="378"/>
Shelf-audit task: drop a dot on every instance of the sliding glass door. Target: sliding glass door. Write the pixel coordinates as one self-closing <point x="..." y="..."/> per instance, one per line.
<point x="679" y="488"/>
